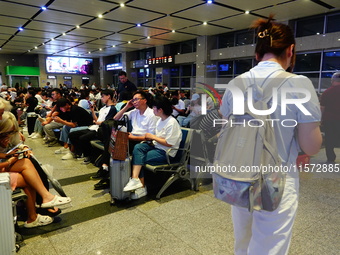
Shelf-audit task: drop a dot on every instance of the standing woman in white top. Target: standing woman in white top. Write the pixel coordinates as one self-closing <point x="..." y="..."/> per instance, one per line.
<point x="263" y="232"/>
<point x="168" y="134"/>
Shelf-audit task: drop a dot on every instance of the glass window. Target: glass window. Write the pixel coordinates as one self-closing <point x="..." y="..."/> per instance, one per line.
<point x="140" y="73"/>
<point x="174" y="71"/>
<point x="331" y="61"/>
<point x="226" y="40"/>
<point x="140" y="83"/>
<point x="174" y="82"/>
<point x="314" y="77"/>
<point x="243" y="65"/>
<point x="225" y="68"/>
<point x="244" y="38"/>
<point x="309" y="26"/>
<point x="149" y="82"/>
<point x="333" y="22"/>
<point x="185" y="82"/>
<point x="307" y="62"/>
<point x="186" y="70"/>
<point x="187" y="47"/>
<point x="325" y="80"/>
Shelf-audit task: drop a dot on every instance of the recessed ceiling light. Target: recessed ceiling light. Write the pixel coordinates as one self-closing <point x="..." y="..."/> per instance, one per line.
<point x="64" y="33"/>
<point x="246" y="12"/>
<point x="113" y="46"/>
<point x="43" y="8"/>
<point x="35" y="47"/>
<point x="100" y="16"/>
<point x="100" y="49"/>
<point x="129" y="41"/>
<point x="77" y="26"/>
<point x="205" y="23"/>
<point x="52" y="39"/>
<point x="317" y="33"/>
<point x="29" y="50"/>
<point x="138" y="25"/>
<point x="148" y="37"/>
<point x="89" y="52"/>
<point x="43" y="44"/>
<point x="20" y="28"/>
<point x="209" y="1"/>
<point x="122" y="5"/>
<point x="173" y="31"/>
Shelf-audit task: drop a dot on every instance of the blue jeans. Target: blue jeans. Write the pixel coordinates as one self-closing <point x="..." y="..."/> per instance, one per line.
<point x="145" y="154"/>
<point x="66" y="130"/>
<point x="184" y="121"/>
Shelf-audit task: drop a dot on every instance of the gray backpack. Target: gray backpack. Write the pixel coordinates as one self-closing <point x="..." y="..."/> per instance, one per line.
<point x="246" y="166"/>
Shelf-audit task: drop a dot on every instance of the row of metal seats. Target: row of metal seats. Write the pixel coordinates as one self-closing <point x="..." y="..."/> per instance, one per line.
<point x="192" y="151"/>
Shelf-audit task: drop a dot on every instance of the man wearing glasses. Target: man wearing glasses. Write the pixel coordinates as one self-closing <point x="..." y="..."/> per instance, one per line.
<point x="142" y="120"/>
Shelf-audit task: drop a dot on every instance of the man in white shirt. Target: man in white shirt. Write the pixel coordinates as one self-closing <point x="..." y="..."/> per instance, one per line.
<point x="142" y="120"/>
<point x="178" y="105"/>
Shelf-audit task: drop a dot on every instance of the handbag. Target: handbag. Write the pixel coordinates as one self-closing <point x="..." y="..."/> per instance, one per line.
<point x="119" y="140"/>
<point x="120" y="149"/>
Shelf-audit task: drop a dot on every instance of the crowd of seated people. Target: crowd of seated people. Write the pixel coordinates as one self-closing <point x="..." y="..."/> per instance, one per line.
<point x="23" y="173"/>
<point x="155" y="116"/>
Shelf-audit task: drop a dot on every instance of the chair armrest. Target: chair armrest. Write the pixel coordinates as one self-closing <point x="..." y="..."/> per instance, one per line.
<point x="171" y="149"/>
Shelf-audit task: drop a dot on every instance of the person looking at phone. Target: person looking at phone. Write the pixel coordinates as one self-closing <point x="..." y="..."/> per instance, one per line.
<point x="24" y="175"/>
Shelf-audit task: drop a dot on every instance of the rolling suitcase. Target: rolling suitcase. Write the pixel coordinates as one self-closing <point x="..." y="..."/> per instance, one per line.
<point x="7" y="236"/>
<point x="120" y="172"/>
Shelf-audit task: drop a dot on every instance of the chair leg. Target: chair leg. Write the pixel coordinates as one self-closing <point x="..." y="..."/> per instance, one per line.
<point x="171" y="179"/>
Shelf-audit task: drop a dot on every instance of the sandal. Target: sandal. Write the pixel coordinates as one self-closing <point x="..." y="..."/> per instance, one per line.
<point x="56" y="202"/>
<point x="41" y="220"/>
<point x="46" y="211"/>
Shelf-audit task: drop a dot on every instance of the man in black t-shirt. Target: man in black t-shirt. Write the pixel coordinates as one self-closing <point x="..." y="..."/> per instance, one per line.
<point x="124" y="85"/>
<point x="73" y="118"/>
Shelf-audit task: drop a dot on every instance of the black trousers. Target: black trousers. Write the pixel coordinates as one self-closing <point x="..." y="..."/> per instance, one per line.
<point x="81" y="141"/>
<point x="332" y="138"/>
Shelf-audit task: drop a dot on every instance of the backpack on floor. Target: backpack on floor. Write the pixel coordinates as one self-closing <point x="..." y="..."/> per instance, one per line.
<point x="246" y="152"/>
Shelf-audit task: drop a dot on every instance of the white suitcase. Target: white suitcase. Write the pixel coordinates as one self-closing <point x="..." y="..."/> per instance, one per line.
<point x="7" y="236"/>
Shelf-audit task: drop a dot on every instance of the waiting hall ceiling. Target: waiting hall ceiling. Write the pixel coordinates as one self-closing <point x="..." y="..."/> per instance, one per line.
<point x="94" y="28"/>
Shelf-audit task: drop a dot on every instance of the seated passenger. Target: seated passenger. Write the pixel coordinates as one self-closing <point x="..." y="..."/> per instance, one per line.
<point x="194" y="108"/>
<point x="75" y="118"/>
<point x="142" y="120"/>
<point x="24" y="175"/>
<point x="81" y="139"/>
<point x="153" y="151"/>
<point x="178" y="105"/>
<point x="48" y="124"/>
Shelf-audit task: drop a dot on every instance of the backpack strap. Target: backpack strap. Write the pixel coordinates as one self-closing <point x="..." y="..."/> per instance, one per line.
<point x="282" y="77"/>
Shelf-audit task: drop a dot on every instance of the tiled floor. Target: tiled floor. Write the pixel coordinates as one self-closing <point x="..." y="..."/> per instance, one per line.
<point x="182" y="222"/>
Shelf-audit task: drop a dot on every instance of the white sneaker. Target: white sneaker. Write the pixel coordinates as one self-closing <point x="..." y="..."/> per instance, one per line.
<point x="62" y="150"/>
<point x="37" y="135"/>
<point x="139" y="193"/>
<point x="67" y="156"/>
<point x="133" y="184"/>
<point x="31" y="135"/>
